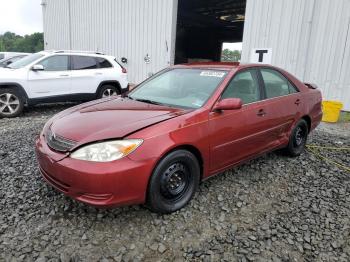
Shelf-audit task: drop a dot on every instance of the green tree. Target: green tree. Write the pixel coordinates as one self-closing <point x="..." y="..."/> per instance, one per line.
<point x="230" y="55"/>
<point x="11" y="42"/>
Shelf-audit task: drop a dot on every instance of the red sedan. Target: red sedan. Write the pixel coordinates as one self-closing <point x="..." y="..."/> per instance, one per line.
<point x="181" y="126"/>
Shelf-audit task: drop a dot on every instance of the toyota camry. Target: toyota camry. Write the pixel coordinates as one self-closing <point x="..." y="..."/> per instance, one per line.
<point x="185" y="124"/>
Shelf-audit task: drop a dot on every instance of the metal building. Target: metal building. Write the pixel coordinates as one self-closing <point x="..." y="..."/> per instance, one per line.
<point x="309" y="38"/>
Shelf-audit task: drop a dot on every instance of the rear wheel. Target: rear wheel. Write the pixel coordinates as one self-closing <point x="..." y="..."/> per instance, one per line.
<point x="174" y="182"/>
<point x="107" y="91"/>
<point x="11" y="103"/>
<point x="298" y="138"/>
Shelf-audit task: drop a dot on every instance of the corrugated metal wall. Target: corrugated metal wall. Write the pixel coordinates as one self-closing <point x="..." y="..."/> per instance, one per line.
<point x="310" y="38"/>
<point x="122" y="28"/>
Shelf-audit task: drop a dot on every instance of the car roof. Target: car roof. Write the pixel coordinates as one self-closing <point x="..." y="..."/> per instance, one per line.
<point x="75" y="52"/>
<point x="220" y="65"/>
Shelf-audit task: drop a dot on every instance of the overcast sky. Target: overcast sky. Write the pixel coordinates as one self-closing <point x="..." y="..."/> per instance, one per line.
<point x="233" y="46"/>
<point x="21" y="16"/>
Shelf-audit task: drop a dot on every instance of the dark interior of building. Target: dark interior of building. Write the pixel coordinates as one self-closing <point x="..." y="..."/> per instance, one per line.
<point x="204" y="25"/>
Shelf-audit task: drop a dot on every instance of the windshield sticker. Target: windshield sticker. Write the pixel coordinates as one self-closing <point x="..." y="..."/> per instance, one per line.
<point x="212" y="74"/>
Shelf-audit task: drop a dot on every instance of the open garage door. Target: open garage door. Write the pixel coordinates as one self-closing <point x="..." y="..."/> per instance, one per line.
<point x="204" y="25"/>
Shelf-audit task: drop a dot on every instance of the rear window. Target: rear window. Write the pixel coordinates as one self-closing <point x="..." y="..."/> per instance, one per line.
<point x="83" y="62"/>
<point x="2" y="56"/>
<point x="103" y="63"/>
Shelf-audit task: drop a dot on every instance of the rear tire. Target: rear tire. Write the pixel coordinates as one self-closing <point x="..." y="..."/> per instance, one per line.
<point x="298" y="139"/>
<point x="107" y="91"/>
<point x="11" y="103"/>
<point x="174" y="182"/>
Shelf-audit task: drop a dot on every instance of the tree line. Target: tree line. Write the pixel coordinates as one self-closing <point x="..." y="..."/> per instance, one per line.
<point x="231" y="55"/>
<point x="10" y="42"/>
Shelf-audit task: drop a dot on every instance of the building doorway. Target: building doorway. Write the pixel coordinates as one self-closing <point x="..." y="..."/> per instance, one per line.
<point x="203" y="26"/>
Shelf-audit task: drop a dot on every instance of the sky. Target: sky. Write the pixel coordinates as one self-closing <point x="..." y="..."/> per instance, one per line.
<point x="21" y="16"/>
<point x="233" y="46"/>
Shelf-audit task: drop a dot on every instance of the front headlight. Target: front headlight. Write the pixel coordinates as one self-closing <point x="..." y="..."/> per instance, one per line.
<point x="106" y="151"/>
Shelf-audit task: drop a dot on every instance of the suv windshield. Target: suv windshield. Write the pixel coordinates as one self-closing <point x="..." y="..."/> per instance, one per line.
<point x="184" y="88"/>
<point x="25" y="61"/>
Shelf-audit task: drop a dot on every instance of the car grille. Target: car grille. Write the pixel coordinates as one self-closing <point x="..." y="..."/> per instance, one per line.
<point x="59" y="143"/>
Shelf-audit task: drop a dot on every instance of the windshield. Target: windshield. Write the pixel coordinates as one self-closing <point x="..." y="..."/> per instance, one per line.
<point x="185" y="88"/>
<point x="25" y="61"/>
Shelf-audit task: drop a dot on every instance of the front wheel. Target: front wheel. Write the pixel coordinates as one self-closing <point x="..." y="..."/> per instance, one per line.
<point x="298" y="138"/>
<point x="174" y="182"/>
<point x="11" y="103"/>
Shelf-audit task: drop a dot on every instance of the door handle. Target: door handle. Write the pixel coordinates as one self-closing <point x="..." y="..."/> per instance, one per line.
<point x="64" y="75"/>
<point x="298" y="102"/>
<point x="98" y="74"/>
<point x="261" y="112"/>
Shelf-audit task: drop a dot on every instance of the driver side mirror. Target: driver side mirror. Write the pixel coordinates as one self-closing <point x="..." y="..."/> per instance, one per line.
<point x="228" y="104"/>
<point x="37" y="68"/>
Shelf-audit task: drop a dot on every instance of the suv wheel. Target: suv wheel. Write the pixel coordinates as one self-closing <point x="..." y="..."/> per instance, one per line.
<point x="107" y="91"/>
<point x="11" y="103"/>
<point x="173" y="182"/>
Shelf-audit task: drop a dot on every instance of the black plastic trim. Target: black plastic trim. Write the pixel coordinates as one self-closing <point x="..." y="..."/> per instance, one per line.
<point x="12" y="84"/>
<point x="63" y="98"/>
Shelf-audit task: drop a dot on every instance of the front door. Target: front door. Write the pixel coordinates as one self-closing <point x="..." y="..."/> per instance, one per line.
<point x="54" y="80"/>
<point x="239" y="134"/>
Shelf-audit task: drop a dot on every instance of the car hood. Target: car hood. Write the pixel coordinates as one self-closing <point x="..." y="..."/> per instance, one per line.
<point x="9" y="73"/>
<point x="109" y="119"/>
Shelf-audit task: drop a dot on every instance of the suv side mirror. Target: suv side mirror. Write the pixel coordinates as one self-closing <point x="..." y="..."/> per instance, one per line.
<point x="37" y="67"/>
<point x="228" y="104"/>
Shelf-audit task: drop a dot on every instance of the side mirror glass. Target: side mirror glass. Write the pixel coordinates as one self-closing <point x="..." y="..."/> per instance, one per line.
<point x="38" y="68"/>
<point x="229" y="104"/>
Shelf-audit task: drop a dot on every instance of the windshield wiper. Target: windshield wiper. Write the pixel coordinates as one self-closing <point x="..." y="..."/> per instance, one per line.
<point x="147" y="101"/>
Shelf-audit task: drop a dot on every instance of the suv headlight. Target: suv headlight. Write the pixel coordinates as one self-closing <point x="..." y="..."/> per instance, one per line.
<point x="106" y="151"/>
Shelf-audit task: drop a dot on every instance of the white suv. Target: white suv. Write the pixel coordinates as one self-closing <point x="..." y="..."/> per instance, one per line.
<point x="59" y="76"/>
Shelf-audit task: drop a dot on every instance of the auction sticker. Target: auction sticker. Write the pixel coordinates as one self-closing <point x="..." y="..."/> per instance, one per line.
<point x="212" y="74"/>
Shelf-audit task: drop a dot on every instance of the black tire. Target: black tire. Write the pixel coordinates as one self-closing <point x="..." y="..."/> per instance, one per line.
<point x="174" y="182"/>
<point x="107" y="89"/>
<point x="11" y="103"/>
<point x="298" y="139"/>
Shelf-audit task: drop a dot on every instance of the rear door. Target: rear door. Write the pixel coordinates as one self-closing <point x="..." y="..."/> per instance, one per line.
<point x="240" y="134"/>
<point x="282" y="100"/>
<point x="54" y="80"/>
<point x="85" y="74"/>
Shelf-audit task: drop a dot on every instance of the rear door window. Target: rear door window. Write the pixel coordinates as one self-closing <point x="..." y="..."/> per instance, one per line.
<point x="276" y="84"/>
<point x="83" y="63"/>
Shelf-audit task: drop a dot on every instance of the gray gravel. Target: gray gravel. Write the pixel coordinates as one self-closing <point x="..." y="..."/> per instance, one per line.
<point x="273" y="208"/>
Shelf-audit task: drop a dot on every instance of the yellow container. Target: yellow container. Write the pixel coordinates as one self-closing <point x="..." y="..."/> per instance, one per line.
<point x="331" y="111"/>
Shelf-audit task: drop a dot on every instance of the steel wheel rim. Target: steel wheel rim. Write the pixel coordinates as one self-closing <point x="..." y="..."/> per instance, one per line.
<point x="109" y="92"/>
<point x="9" y="104"/>
<point x="299" y="136"/>
<point x="175" y="182"/>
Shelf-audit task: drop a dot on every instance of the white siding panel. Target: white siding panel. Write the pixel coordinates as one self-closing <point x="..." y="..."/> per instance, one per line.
<point x="56" y="24"/>
<point x="122" y="28"/>
<point x="309" y="38"/>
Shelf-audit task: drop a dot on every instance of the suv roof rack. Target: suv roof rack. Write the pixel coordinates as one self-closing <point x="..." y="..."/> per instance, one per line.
<point x="78" y="51"/>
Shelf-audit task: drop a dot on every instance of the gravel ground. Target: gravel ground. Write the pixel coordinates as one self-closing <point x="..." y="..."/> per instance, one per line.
<point x="273" y="208"/>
